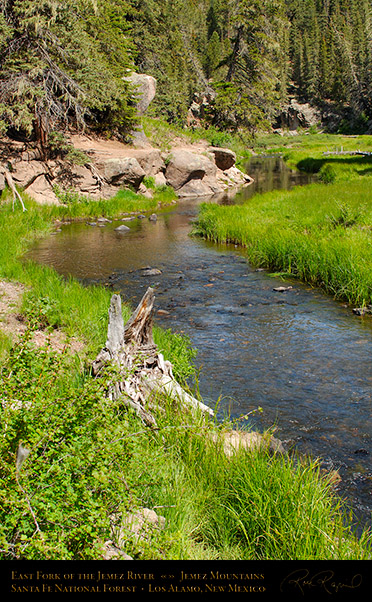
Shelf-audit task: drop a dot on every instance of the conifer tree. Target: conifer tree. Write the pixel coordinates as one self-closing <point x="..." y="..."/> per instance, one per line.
<point x="252" y="91"/>
<point x="55" y="69"/>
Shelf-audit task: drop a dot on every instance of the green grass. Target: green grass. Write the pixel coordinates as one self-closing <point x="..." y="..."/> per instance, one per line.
<point x="321" y="234"/>
<point x="90" y="459"/>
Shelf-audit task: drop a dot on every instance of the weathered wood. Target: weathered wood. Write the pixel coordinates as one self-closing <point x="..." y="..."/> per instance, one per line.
<point x="138" y="329"/>
<point x="115" y="331"/>
<point x="15" y="192"/>
<point x="143" y="373"/>
<point x="342" y="152"/>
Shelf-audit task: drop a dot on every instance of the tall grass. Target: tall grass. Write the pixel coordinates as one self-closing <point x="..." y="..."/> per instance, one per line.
<point x="251" y="506"/>
<point x="319" y="234"/>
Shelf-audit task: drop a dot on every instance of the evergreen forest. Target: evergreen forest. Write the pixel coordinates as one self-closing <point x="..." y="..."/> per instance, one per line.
<point x="63" y="63"/>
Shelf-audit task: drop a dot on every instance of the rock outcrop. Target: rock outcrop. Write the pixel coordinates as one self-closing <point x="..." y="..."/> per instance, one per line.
<point x="191" y="171"/>
<point x="192" y="174"/>
<point x="144" y="91"/>
<point x="298" y="115"/>
<point x="123" y="172"/>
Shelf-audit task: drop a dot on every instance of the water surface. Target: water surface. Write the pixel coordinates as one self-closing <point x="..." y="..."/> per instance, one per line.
<point x="302" y="357"/>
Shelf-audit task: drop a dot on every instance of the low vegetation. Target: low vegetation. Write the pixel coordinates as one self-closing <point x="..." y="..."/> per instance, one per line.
<point x="332" y="156"/>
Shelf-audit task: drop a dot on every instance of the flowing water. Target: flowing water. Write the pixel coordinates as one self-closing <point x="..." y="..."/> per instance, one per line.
<point x="299" y="355"/>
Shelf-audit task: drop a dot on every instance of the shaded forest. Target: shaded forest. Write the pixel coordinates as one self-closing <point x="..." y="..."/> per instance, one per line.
<point x="62" y="63"/>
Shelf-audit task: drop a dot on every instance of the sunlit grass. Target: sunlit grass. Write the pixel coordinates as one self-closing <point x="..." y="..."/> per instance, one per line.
<point x="325" y="154"/>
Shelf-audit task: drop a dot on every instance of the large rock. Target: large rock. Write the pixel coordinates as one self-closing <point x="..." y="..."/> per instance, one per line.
<point x="184" y="166"/>
<point x="42" y="191"/>
<point x="195" y="188"/>
<point x="151" y="161"/>
<point x="142" y="525"/>
<point x="123" y="171"/>
<point x="82" y="179"/>
<point x="223" y="157"/>
<point x="299" y="115"/>
<point x="144" y="90"/>
<point x="26" y="172"/>
<point x="233" y="441"/>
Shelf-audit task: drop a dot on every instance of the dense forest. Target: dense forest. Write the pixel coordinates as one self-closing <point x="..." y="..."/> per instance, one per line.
<point x="63" y="62"/>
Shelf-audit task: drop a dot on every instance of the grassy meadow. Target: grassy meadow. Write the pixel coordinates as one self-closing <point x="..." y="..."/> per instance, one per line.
<point x="90" y="459"/>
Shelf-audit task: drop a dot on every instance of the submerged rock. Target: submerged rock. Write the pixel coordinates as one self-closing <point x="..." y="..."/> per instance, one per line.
<point x="151" y="272"/>
<point x="361" y="311"/>
<point x="282" y="289"/>
<point x="122" y="228"/>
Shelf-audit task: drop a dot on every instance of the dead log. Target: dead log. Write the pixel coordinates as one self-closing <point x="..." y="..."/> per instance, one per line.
<point x="142" y="370"/>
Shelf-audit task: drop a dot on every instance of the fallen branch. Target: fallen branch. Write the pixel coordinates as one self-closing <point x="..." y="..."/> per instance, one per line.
<point x="342" y="152"/>
<point x="15" y="192"/>
<point x="142" y="370"/>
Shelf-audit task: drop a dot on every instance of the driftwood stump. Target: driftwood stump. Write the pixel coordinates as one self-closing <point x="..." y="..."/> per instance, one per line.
<point x="142" y="370"/>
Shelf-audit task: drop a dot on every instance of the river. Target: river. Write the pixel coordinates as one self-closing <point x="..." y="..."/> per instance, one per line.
<point x="299" y="355"/>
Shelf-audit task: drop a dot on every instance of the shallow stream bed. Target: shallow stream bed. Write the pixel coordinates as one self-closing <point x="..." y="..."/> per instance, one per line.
<point x="299" y="355"/>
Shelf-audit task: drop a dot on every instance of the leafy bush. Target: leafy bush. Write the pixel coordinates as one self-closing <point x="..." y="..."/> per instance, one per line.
<point x="57" y="502"/>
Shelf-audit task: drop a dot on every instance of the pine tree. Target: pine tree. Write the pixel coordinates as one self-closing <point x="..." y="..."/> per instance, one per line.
<point x="55" y="70"/>
<point x="253" y="88"/>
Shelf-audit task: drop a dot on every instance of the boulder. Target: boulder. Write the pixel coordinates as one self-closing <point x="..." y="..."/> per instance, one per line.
<point x="159" y="179"/>
<point x="233" y="441"/>
<point x="26" y="172"/>
<point x="299" y="115"/>
<point x="184" y="166"/>
<point x="123" y="171"/>
<point x="83" y="180"/>
<point x="224" y="157"/>
<point x="142" y="525"/>
<point x="144" y="90"/>
<point x="151" y="161"/>
<point x="42" y="191"/>
<point x="195" y="188"/>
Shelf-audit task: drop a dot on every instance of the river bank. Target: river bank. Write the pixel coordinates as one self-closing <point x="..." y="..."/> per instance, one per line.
<point x="180" y="469"/>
